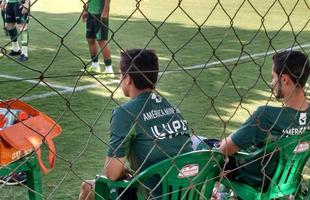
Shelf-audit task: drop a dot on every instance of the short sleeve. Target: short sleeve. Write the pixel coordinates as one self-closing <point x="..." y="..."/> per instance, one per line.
<point x="120" y="127"/>
<point x="247" y="134"/>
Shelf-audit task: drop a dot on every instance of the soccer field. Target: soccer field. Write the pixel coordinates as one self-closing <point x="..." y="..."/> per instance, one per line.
<point x="215" y="63"/>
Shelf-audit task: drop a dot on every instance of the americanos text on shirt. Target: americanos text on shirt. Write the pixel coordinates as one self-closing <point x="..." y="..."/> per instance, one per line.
<point x="170" y="123"/>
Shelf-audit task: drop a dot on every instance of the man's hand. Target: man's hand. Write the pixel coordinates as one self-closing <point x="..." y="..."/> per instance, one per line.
<point x="104" y="15"/>
<point x="3" y="5"/>
<point x="105" y="11"/>
<point x="24" y="7"/>
<point x="84" y="15"/>
<point x="228" y="147"/>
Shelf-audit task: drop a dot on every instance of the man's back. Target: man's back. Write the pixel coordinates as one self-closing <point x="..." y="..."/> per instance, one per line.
<point x="148" y="129"/>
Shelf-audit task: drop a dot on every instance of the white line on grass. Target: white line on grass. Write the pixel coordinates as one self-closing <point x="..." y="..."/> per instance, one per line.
<point x="234" y="59"/>
<point x="35" y="82"/>
<point x="81" y="88"/>
<point x="118" y="58"/>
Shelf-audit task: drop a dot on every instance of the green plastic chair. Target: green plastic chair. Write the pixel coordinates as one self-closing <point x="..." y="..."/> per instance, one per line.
<point x="188" y="176"/>
<point x="30" y="166"/>
<point x="294" y="152"/>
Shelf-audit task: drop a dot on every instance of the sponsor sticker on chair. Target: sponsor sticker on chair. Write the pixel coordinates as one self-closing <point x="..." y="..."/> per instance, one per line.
<point x="188" y="171"/>
<point x="303" y="146"/>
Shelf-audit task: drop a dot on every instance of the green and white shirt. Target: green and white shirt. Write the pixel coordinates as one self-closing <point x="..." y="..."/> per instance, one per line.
<point x="147" y="130"/>
<point x="272" y="122"/>
<point x="12" y="1"/>
<point x="95" y="6"/>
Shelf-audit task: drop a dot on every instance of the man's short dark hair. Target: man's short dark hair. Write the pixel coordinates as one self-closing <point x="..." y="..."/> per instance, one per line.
<point x="141" y="65"/>
<point x="293" y="63"/>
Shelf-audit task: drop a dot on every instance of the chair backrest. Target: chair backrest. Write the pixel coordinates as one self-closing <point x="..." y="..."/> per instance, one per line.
<point x="187" y="176"/>
<point x="294" y="152"/>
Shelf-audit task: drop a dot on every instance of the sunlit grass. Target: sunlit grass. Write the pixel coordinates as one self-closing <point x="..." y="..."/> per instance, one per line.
<point x="208" y="98"/>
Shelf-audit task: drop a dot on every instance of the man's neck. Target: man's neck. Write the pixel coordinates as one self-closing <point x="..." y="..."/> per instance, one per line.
<point x="296" y="100"/>
<point x="136" y="92"/>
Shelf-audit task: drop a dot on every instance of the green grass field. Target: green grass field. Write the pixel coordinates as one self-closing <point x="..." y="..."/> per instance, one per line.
<point x="190" y="39"/>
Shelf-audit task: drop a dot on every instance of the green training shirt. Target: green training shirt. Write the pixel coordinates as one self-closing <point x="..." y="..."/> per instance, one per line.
<point x="95" y="6"/>
<point x="280" y="122"/>
<point x="13" y="1"/>
<point x="146" y="121"/>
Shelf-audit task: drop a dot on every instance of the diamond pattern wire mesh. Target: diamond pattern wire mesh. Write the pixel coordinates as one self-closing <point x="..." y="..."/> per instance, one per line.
<point x="215" y="63"/>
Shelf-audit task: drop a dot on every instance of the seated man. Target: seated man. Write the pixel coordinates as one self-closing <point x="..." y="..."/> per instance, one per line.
<point x="290" y="71"/>
<point x="145" y="130"/>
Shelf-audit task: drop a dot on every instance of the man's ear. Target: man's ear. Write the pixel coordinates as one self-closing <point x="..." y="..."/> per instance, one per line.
<point x="129" y="80"/>
<point x="285" y="79"/>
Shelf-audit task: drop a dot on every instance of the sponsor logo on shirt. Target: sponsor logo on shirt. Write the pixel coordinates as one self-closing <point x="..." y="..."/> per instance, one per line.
<point x="298" y="130"/>
<point x="153" y="114"/>
<point x="295" y="131"/>
<point x="170" y="130"/>
<point x="302" y="119"/>
<point x="157" y="98"/>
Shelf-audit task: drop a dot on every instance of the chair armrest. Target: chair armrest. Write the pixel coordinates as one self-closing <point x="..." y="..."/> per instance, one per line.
<point x="108" y="189"/>
<point x="242" y="154"/>
<point x="245" y="155"/>
<point x="121" y="183"/>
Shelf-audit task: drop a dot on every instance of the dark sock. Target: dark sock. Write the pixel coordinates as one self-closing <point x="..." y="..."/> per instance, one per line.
<point x="108" y="62"/>
<point x="94" y="58"/>
<point x="13" y="34"/>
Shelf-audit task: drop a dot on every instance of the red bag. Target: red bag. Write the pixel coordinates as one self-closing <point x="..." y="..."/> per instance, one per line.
<point x="30" y="131"/>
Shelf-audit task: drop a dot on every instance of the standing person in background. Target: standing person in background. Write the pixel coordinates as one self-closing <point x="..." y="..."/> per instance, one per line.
<point x="3" y="19"/>
<point x="17" y="16"/>
<point x="96" y="15"/>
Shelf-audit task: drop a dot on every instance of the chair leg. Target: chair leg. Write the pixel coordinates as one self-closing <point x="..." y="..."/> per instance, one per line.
<point x="34" y="183"/>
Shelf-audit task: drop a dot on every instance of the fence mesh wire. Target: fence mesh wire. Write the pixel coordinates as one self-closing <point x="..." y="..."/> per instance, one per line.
<point x="215" y="67"/>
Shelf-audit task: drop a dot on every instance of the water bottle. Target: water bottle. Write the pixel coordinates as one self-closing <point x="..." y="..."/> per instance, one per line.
<point x="224" y="196"/>
<point x="2" y="120"/>
<point x="221" y="193"/>
<point x="8" y="117"/>
<point x="291" y="197"/>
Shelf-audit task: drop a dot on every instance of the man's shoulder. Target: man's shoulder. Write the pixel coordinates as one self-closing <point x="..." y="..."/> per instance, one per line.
<point x="274" y="110"/>
<point x="121" y="109"/>
<point x="128" y="108"/>
<point x="267" y="109"/>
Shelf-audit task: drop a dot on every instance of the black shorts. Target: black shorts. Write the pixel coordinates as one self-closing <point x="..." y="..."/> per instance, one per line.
<point x="96" y="29"/>
<point x="13" y="14"/>
<point x="130" y="193"/>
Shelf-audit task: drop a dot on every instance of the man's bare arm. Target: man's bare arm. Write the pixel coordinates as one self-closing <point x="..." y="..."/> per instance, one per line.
<point x="115" y="168"/>
<point x="106" y="9"/>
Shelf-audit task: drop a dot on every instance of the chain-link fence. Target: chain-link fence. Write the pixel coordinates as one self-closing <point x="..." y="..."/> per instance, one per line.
<point x="215" y="60"/>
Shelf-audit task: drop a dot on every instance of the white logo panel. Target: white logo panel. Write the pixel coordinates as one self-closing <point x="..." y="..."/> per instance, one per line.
<point x="302" y="118"/>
